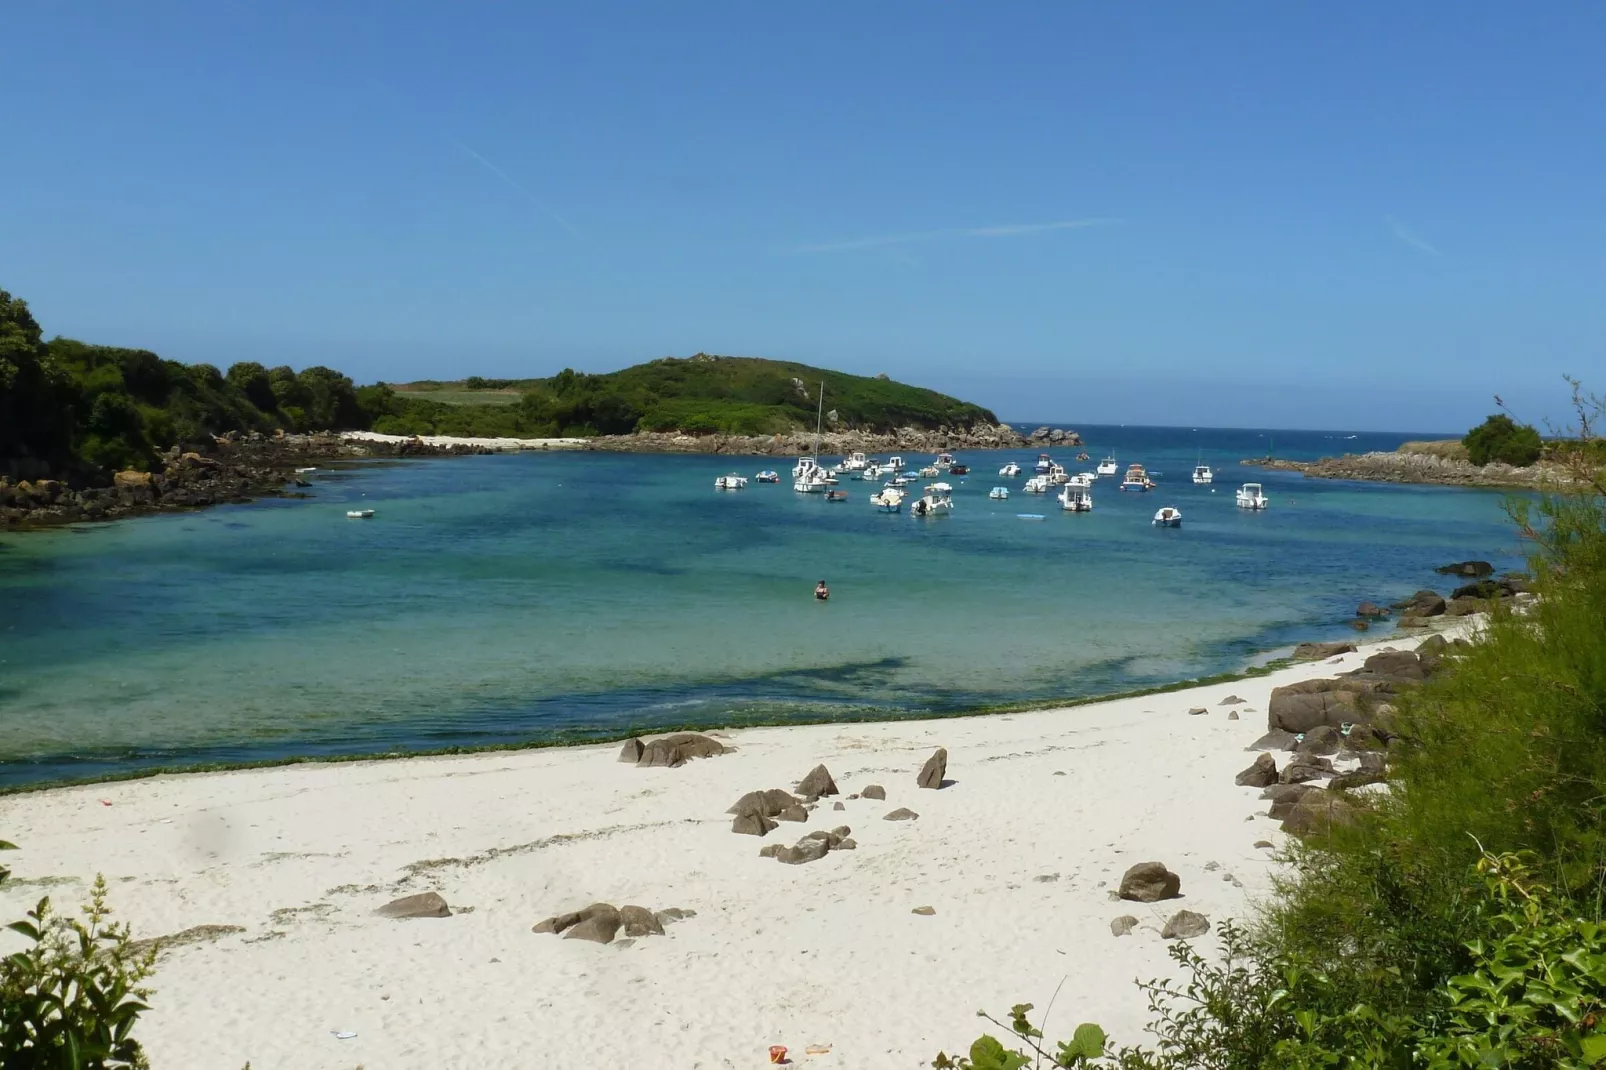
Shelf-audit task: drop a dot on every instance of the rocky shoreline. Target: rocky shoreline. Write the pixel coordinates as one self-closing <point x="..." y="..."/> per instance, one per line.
<point x="233" y="469"/>
<point x="1379" y="467"/>
<point x="909" y="439"/>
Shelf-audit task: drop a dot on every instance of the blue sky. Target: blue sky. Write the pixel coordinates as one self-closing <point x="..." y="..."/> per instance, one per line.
<point x="1363" y="215"/>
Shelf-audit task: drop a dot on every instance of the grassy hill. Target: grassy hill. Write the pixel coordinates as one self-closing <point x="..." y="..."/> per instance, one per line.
<point x="699" y="394"/>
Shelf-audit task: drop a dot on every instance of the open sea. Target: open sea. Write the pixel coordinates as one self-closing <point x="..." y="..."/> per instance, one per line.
<point x="544" y="596"/>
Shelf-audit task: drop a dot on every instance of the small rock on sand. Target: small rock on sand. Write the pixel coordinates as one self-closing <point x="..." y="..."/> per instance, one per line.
<point x="676" y="750"/>
<point x="752" y="825"/>
<point x="598" y="923"/>
<point x="817" y="783"/>
<point x="422" y="905"/>
<point x="1196" y="711"/>
<point x="1262" y="773"/>
<point x="770" y="850"/>
<point x="794" y="813"/>
<point x="632" y="751"/>
<point x="1149" y="882"/>
<point x="934" y="770"/>
<point x="839" y="806"/>
<point x="902" y="813"/>
<point x="874" y="791"/>
<point x="1184" y="925"/>
<point x="1232" y="715"/>
<point x="924" y="912"/>
<point x="1123" y="925"/>
<point x="1231" y="700"/>
<point x="1264" y="843"/>
<point x="639" y="921"/>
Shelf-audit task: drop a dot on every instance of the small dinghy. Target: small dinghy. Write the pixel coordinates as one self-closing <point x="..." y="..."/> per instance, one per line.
<point x="359" y="514"/>
<point x="730" y="482"/>
<point x="1168" y="517"/>
<point x="1030" y="516"/>
<point x="999" y="493"/>
<point x="767" y="476"/>
<point x="836" y="495"/>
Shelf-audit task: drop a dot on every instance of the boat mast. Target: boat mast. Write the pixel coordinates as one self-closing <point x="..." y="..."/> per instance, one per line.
<point x="818" y="420"/>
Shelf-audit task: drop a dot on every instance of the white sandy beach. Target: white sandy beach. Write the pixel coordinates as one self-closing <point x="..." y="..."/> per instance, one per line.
<point x="1017" y="860"/>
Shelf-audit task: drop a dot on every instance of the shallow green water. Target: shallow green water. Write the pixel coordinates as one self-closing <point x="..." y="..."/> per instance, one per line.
<point x="511" y="598"/>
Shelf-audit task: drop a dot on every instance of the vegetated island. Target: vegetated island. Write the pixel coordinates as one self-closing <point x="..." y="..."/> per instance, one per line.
<point x="1498" y="453"/>
<point x="91" y="432"/>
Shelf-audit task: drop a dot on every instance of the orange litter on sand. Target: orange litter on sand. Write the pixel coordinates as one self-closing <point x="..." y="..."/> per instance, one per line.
<point x="777" y="1053"/>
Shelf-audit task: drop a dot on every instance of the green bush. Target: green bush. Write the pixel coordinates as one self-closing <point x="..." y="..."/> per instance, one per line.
<point x="1500" y="438"/>
<point x="70" y="1000"/>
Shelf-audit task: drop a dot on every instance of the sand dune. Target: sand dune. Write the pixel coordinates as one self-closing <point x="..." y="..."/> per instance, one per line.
<point x="1018" y="856"/>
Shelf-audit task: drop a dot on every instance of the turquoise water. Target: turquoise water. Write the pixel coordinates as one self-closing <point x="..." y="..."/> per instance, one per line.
<point x="511" y="598"/>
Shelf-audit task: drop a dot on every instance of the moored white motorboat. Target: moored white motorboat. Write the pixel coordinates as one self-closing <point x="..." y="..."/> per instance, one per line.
<point x="1036" y="485"/>
<point x="1010" y="470"/>
<point x="854" y="462"/>
<point x="730" y="482"/>
<point x="1080" y="479"/>
<point x="1107" y="466"/>
<point x="1136" y="478"/>
<point x="816" y="482"/>
<point x="1168" y="517"/>
<point x="1057" y="475"/>
<point x="887" y="500"/>
<point x="930" y="471"/>
<point x="768" y="476"/>
<point x="873" y="471"/>
<point x="1202" y="474"/>
<point x="937" y="499"/>
<point x="1251" y="496"/>
<point x="895" y="463"/>
<point x="1043" y="464"/>
<point x="945" y="460"/>
<point x="359" y="514"/>
<point x="998" y="493"/>
<point x="1075" y="499"/>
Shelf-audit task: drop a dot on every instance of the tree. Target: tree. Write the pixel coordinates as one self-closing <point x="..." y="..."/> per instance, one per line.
<point x="251" y="379"/>
<point x="1500" y="438"/>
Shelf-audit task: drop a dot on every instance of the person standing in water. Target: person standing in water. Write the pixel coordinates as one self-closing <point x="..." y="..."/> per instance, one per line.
<point x="821" y="591"/>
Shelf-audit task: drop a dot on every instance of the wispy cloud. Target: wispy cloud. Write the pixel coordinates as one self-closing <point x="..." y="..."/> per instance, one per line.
<point x="1007" y="230"/>
<point x="1414" y="240"/>
<point x="521" y="187"/>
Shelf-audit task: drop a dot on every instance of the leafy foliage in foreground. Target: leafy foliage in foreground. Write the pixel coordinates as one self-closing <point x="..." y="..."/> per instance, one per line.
<point x="71" y="999"/>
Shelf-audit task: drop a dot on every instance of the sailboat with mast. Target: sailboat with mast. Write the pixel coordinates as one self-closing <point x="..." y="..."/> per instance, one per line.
<point x="809" y="477"/>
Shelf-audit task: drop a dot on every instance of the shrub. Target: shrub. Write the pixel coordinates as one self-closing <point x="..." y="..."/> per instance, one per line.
<point x="71" y="999"/>
<point x="1500" y="438"/>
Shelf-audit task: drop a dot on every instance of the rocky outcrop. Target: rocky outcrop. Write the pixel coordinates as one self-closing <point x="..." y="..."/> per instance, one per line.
<point x="1412" y="467"/>
<point x="904" y="439"/>
<point x="228" y="468"/>
<point x="1055" y="436"/>
<point x="1475" y="569"/>
<point x="1149" y="882"/>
